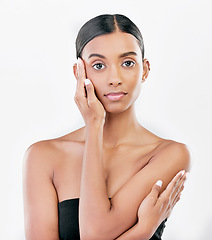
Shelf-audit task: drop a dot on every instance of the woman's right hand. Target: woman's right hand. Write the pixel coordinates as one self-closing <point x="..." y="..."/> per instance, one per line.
<point x="155" y="208"/>
<point x="85" y="98"/>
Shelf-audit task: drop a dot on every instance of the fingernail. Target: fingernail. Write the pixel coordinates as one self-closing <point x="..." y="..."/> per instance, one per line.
<point x="181" y="173"/>
<point x="159" y="183"/>
<point x="87" y="81"/>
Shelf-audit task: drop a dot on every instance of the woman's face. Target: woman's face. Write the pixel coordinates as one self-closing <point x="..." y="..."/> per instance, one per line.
<point x="113" y="63"/>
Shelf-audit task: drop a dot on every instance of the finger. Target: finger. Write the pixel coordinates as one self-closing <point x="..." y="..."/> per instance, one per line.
<point x="155" y="191"/>
<point x="80" y="94"/>
<point x="81" y="76"/>
<point x="81" y="70"/>
<point x="176" y="200"/>
<point x="171" y="206"/>
<point x="165" y="198"/>
<point x="173" y="184"/>
<point x="75" y="70"/>
<point x="91" y="97"/>
<point x="175" y="196"/>
<point x="180" y="187"/>
<point x="177" y="193"/>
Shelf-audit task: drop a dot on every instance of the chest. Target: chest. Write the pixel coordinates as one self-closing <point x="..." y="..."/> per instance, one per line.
<point x="119" y="166"/>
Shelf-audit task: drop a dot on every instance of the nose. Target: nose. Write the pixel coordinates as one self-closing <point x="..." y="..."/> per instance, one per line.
<point x="115" y="77"/>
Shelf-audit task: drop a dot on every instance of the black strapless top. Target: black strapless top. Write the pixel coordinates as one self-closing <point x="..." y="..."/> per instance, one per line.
<point x="69" y="221"/>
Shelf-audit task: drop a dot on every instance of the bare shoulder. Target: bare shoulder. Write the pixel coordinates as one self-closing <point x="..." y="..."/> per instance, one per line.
<point x="39" y="158"/>
<point x="47" y="153"/>
<point x="173" y="152"/>
<point x="40" y="150"/>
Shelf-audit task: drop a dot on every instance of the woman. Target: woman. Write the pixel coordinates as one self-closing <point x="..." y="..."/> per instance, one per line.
<point x="112" y="163"/>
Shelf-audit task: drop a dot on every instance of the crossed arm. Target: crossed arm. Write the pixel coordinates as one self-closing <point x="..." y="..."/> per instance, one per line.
<point x="41" y="203"/>
<point x="109" y="219"/>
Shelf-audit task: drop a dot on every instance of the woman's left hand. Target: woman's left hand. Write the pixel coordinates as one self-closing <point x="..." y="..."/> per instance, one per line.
<point x="156" y="208"/>
<point x="90" y="107"/>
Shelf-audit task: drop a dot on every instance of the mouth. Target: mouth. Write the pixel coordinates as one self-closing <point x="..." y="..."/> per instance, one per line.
<point x="115" y="96"/>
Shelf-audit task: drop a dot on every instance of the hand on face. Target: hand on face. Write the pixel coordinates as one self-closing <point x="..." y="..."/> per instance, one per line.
<point x="90" y="107"/>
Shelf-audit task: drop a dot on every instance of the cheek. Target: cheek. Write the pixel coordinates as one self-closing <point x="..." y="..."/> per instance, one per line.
<point x="133" y="79"/>
<point x="135" y="90"/>
<point x="97" y="80"/>
<point x="133" y="82"/>
<point x="94" y="76"/>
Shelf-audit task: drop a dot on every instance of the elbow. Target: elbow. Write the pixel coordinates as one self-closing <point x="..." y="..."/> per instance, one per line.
<point x="94" y="232"/>
<point x="99" y="228"/>
<point x="88" y="231"/>
<point x="89" y="234"/>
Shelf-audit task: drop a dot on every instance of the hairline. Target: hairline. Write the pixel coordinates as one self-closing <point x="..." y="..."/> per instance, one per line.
<point x="116" y="30"/>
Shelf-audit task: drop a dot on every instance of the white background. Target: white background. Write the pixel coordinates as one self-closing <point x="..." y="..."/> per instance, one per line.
<point x="37" y="88"/>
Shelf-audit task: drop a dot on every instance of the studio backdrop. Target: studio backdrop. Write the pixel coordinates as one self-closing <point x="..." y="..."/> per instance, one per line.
<point x="37" y="52"/>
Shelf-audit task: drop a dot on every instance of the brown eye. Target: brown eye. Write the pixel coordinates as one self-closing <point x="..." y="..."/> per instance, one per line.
<point x="128" y="64"/>
<point x="98" y="66"/>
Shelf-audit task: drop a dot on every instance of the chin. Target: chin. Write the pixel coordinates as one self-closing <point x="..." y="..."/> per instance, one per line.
<point x="116" y="108"/>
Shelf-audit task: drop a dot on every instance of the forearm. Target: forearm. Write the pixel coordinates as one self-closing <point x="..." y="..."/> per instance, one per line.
<point x="134" y="233"/>
<point x="94" y="203"/>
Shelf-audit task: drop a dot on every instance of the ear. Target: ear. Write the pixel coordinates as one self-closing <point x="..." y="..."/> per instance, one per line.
<point x="75" y="70"/>
<point x="146" y="69"/>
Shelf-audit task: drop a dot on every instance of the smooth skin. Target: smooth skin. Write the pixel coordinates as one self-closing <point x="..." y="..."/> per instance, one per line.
<point x="128" y="159"/>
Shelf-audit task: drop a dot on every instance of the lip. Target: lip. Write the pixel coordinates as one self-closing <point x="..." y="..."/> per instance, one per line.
<point x="115" y="96"/>
<point x="115" y="93"/>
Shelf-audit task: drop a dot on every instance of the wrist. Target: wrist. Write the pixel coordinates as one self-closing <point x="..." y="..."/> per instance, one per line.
<point x="143" y="231"/>
<point x="135" y="233"/>
<point x="141" y="234"/>
<point x="95" y="123"/>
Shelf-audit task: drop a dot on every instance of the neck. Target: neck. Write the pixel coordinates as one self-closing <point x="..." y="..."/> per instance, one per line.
<point x="120" y="127"/>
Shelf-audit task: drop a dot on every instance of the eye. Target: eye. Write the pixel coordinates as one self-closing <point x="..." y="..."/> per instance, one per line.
<point x="128" y="64"/>
<point x="98" y="66"/>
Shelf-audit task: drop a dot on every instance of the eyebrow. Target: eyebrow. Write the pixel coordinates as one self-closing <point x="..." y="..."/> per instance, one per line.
<point x="120" y="56"/>
<point x="127" y="54"/>
<point x="96" y="55"/>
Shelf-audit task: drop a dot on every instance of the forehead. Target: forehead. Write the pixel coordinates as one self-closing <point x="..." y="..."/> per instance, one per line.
<point x="112" y="44"/>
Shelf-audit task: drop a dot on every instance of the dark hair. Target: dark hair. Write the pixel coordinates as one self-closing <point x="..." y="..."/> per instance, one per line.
<point x="105" y="24"/>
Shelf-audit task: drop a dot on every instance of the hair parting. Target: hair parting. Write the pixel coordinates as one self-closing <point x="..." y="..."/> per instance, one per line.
<point x="106" y="24"/>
